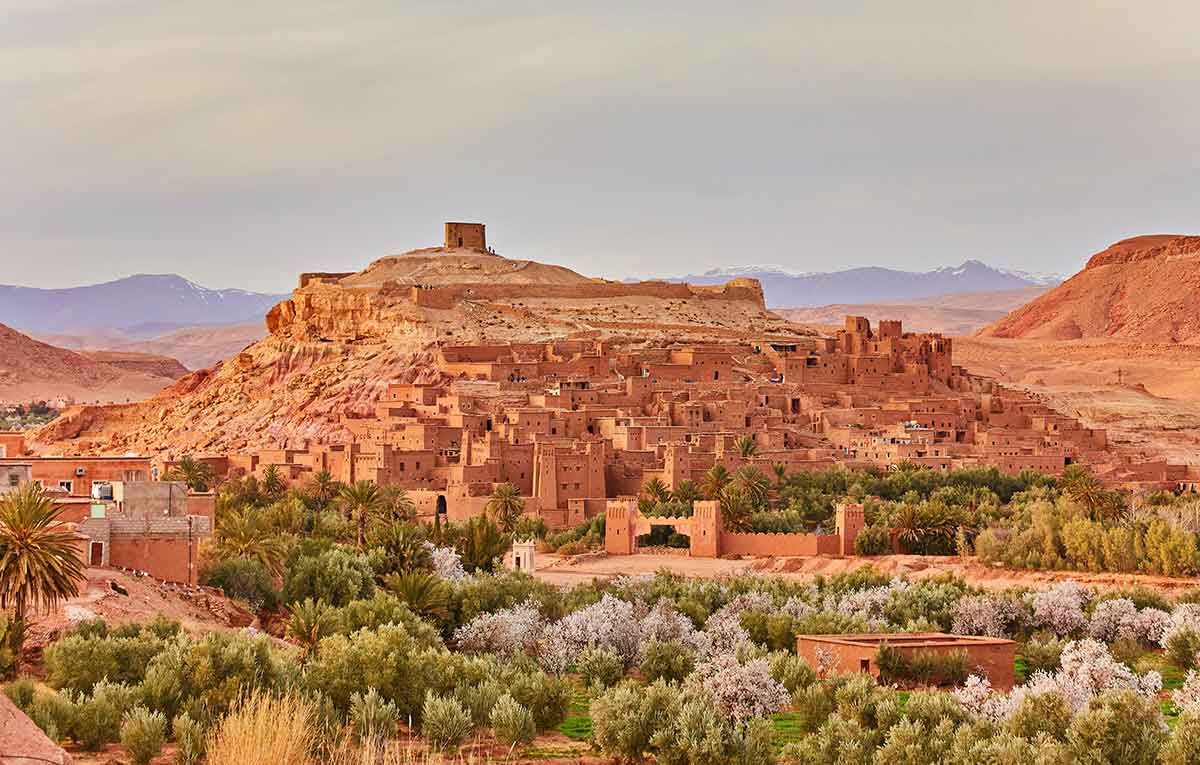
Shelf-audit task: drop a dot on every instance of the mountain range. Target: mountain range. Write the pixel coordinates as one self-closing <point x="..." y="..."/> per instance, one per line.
<point x="143" y="305"/>
<point x="785" y="289"/>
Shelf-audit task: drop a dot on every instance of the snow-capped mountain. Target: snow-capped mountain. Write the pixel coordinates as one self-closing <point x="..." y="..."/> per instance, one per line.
<point x="786" y="288"/>
<point x="143" y="303"/>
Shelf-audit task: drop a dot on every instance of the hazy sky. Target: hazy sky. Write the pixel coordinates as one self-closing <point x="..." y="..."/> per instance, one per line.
<point x="240" y="143"/>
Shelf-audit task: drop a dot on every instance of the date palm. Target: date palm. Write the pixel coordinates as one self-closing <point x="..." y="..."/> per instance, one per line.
<point x="686" y="492"/>
<point x="362" y="500"/>
<point x="424" y="592"/>
<point x="746" y="446"/>
<point x="714" y="481"/>
<point x="505" y="506"/>
<point x="310" y="621"/>
<point x="40" y="565"/>
<point x="753" y="483"/>
<point x="244" y="535"/>
<point x="322" y="488"/>
<point x="197" y="475"/>
<point x="656" y="491"/>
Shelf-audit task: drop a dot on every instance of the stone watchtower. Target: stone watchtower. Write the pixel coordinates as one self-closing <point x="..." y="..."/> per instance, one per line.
<point x="466" y="235"/>
<point x="851" y="519"/>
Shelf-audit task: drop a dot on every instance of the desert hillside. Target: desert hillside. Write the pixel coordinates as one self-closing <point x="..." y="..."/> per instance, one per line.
<point x="33" y="370"/>
<point x="340" y="339"/>
<point x="194" y="347"/>
<point x="1146" y="288"/>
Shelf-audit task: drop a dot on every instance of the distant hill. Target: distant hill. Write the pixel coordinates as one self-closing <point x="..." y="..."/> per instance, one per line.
<point x="958" y="314"/>
<point x="32" y="370"/>
<point x="195" y="347"/>
<point x="1146" y="288"/>
<point x="784" y="289"/>
<point x="144" y="305"/>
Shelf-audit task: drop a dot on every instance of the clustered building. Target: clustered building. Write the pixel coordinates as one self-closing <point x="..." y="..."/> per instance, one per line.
<point x="575" y="423"/>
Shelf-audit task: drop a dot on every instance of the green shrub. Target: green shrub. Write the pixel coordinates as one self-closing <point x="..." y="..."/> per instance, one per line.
<point x="373" y="717"/>
<point x="385" y="608"/>
<point x="337" y="576"/>
<point x="546" y="696"/>
<point x="21" y="692"/>
<point x="190" y="740"/>
<point x="1182" y="647"/>
<point x="1043" y="655"/>
<point x="94" y="627"/>
<point x="205" y="677"/>
<point x="511" y="722"/>
<point x="626" y="718"/>
<point x="387" y="659"/>
<point x="246" y="580"/>
<point x="1041" y="714"/>
<point x="479" y="699"/>
<point x="873" y="540"/>
<point x="444" y="722"/>
<point x="791" y="671"/>
<point x="142" y="734"/>
<point x="600" y="667"/>
<point x="55" y="714"/>
<point x="12" y="637"/>
<point x="98" y="716"/>
<point x="699" y="733"/>
<point x="1117" y="726"/>
<point x="78" y="663"/>
<point x="669" y="660"/>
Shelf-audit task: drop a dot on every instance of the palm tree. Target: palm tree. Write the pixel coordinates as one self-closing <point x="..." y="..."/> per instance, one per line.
<point x="505" y="506"/>
<point x="714" y="481"/>
<point x="656" y="491"/>
<point x="398" y="504"/>
<point x="753" y="483"/>
<point x="780" y="470"/>
<point x="310" y="621"/>
<point x="40" y="565"/>
<point x="197" y="475"/>
<point x="322" y="488"/>
<point x="404" y="544"/>
<point x="686" y="492"/>
<point x="243" y="535"/>
<point x="735" y="508"/>
<point x="746" y="446"/>
<point x="272" y="483"/>
<point x="424" y="592"/>
<point x="362" y="499"/>
<point x="480" y="544"/>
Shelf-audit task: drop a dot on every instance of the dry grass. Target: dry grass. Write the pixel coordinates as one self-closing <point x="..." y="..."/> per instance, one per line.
<point x="395" y="754"/>
<point x="264" y="729"/>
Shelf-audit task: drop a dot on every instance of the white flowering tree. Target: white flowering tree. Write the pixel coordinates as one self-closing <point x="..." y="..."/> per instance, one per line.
<point x="740" y="691"/>
<point x="506" y="633"/>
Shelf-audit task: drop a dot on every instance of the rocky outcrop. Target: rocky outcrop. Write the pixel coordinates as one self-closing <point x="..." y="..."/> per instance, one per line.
<point x="1146" y="288"/>
<point x="340" y="339"/>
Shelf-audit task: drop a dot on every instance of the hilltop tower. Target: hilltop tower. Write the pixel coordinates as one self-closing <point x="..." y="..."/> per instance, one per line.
<point x="470" y="236"/>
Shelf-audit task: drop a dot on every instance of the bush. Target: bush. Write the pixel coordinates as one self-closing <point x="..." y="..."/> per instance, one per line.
<point x="546" y="696"/>
<point x="55" y="714"/>
<point x="600" y="667"/>
<point x="244" y="579"/>
<point x="388" y="659"/>
<point x="479" y="699"/>
<point x="791" y="671"/>
<point x="626" y="718"/>
<point x="511" y="722"/>
<point x="700" y="733"/>
<point x="21" y="692"/>
<point x="77" y="662"/>
<point x="873" y="540"/>
<point x="336" y="576"/>
<point x="1184" y="746"/>
<point x="189" y="740"/>
<point x="373" y="717"/>
<point x="385" y="608"/>
<point x="1041" y="714"/>
<point x="670" y="660"/>
<point x="206" y="677"/>
<point x="1042" y="655"/>
<point x="98" y="716"/>
<point x="12" y="637"/>
<point x="444" y="722"/>
<point x="571" y="548"/>
<point x="1118" y="726"/>
<point x="143" y="734"/>
<point x="1182" y="646"/>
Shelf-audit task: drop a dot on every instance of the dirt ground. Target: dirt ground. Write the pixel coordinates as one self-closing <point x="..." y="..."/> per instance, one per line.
<point x="559" y="570"/>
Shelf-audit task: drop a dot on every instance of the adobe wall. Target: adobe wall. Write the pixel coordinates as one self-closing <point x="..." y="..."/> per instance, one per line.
<point x="993" y="659"/>
<point x="745" y="290"/>
<point x="765" y="545"/>
<point x="53" y="470"/>
<point x="12" y="444"/>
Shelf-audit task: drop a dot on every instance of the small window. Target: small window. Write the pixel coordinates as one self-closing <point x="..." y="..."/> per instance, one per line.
<point x="864" y="665"/>
<point x="67" y="486"/>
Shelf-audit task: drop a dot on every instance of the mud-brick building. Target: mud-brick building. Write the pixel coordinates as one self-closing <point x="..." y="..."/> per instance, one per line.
<point x="153" y="526"/>
<point x="987" y="656"/>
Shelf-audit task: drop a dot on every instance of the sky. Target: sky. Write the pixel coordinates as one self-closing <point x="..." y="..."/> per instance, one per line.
<point x="241" y="143"/>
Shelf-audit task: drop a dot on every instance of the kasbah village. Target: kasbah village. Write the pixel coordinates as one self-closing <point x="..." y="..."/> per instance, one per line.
<point x="579" y="433"/>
